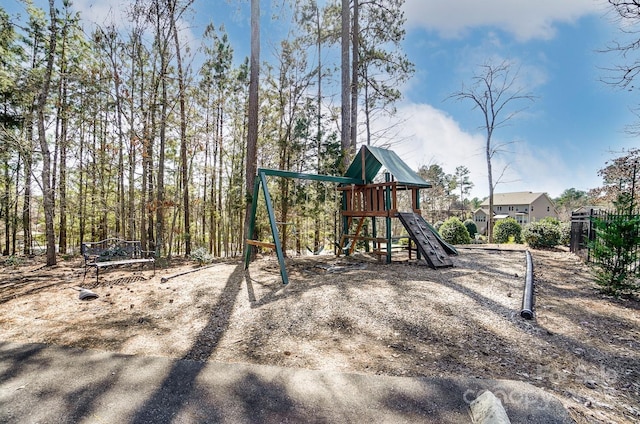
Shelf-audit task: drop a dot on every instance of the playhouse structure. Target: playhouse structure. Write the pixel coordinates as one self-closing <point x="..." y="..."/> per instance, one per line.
<point x="364" y="199"/>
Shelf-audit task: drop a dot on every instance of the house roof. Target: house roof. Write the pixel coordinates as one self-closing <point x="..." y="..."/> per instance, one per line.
<point x="588" y="209"/>
<point x="515" y="198"/>
<point x="375" y="159"/>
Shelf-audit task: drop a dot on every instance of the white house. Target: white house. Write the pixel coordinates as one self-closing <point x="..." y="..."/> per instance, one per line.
<point x="523" y="206"/>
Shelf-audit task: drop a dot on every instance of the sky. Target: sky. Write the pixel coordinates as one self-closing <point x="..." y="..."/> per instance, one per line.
<point x="560" y="141"/>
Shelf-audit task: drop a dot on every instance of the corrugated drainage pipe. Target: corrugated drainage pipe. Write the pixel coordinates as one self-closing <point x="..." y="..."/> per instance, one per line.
<point x="527" y="297"/>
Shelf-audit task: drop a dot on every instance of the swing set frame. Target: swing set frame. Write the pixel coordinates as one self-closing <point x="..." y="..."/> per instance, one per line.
<point x="361" y="199"/>
<point x="261" y="181"/>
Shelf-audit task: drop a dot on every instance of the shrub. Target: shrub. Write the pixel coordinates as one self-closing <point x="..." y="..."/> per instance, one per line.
<point x="565" y="233"/>
<point x="202" y="256"/>
<point x="12" y="261"/>
<point x="614" y="250"/>
<point x="541" y="234"/>
<point x="551" y="220"/>
<point x="453" y="231"/>
<point x="437" y="225"/>
<point x="507" y="229"/>
<point x="614" y="253"/>
<point x="471" y="227"/>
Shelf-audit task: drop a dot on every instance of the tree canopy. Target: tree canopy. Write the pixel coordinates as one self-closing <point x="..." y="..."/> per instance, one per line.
<point x="135" y="132"/>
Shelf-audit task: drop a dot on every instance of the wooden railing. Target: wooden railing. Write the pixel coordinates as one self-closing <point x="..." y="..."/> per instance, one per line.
<point x="369" y="200"/>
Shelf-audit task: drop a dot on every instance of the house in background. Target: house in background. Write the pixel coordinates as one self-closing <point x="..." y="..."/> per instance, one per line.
<point x="523" y="206"/>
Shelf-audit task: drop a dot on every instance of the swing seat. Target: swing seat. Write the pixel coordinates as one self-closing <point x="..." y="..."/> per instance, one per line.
<point x="318" y="251"/>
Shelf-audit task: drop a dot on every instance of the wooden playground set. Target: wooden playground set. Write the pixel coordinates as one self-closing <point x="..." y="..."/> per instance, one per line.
<point x="363" y="199"/>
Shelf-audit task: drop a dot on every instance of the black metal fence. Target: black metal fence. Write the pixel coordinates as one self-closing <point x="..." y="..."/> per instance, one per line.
<point x="583" y="232"/>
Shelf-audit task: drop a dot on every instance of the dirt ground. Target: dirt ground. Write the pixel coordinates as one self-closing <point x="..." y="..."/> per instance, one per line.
<point x="353" y="314"/>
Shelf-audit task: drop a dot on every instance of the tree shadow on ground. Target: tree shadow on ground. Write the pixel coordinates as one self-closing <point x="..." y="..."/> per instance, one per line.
<point x="180" y="382"/>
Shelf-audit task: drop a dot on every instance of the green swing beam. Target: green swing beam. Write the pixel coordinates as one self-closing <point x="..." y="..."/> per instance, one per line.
<point x="261" y="180"/>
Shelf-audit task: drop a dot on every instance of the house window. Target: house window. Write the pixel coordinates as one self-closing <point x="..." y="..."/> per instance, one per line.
<point x="531" y="208"/>
<point x="510" y="208"/>
<point x="500" y="208"/>
<point x="548" y="208"/>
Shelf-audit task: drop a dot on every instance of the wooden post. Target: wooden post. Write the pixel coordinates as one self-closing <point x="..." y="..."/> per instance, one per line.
<point x="387" y="179"/>
<point x="274" y="229"/>
<point x="417" y="206"/>
<point x="248" y="250"/>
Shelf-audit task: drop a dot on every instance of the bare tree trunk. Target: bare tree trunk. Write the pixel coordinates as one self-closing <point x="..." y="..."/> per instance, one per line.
<point x="367" y="108"/>
<point x="316" y="221"/>
<point x="64" y="122"/>
<point x="205" y="178"/>
<point x="62" y="243"/>
<point x="345" y="83"/>
<point x="489" y="153"/>
<point x="494" y="89"/>
<point x="47" y="190"/>
<point x="5" y="208"/>
<point x="354" y="83"/>
<point x="183" y="139"/>
<point x="14" y="230"/>
<point x="160" y="178"/>
<point x="93" y="176"/>
<point x="219" y="206"/>
<point x="252" y="135"/>
<point x="82" y="201"/>
<point x="102" y="178"/>
<point x="26" y="202"/>
<point x="121" y="209"/>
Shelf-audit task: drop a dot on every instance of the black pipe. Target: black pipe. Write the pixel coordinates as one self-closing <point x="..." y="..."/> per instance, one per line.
<point x="527" y="297"/>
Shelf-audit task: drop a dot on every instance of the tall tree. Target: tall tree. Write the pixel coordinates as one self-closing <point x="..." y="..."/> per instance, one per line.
<point x="252" y="134"/>
<point x="43" y="95"/>
<point x="313" y="22"/>
<point x="345" y="137"/>
<point x="30" y="86"/>
<point x="355" y="60"/>
<point x="569" y="200"/>
<point x="494" y="91"/>
<point x="440" y="191"/>
<point x="462" y="181"/>
<point x="383" y="67"/>
<point x="619" y="178"/>
<point x="217" y="77"/>
<point x="11" y="57"/>
<point x="175" y="16"/>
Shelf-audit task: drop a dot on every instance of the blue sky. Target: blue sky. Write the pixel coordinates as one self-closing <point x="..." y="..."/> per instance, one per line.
<point x="561" y="140"/>
<point x="564" y="137"/>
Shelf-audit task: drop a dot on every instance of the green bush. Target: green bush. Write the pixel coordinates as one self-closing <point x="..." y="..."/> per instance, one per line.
<point x="550" y="220"/>
<point x="565" y="233"/>
<point x="437" y="225"/>
<point x="202" y="256"/>
<point x="471" y="227"/>
<point x="507" y="230"/>
<point x="453" y="231"/>
<point x="615" y="254"/>
<point x="13" y="261"/>
<point x="541" y="234"/>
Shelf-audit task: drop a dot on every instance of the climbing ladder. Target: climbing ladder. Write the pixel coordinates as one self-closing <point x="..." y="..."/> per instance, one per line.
<point x="427" y="242"/>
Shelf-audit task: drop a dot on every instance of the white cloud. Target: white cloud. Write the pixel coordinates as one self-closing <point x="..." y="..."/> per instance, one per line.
<point x="525" y="19"/>
<point x="430" y="136"/>
<point x="103" y="13"/>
